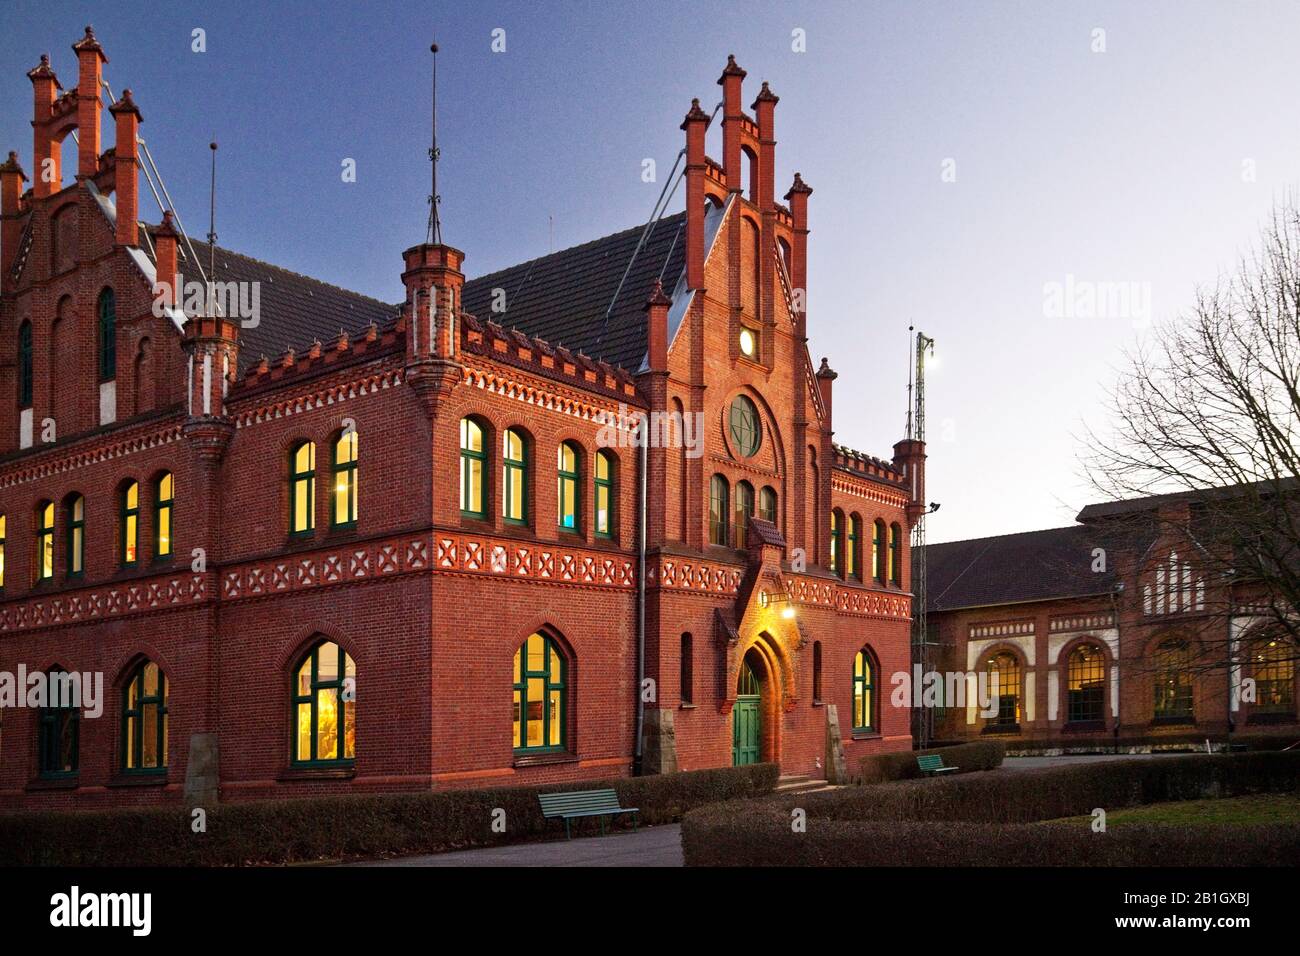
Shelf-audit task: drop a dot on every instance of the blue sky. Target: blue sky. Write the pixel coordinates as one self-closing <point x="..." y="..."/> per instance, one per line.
<point x="1153" y="162"/>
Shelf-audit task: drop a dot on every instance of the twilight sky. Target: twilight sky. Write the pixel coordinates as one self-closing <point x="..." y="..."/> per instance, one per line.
<point x="966" y="156"/>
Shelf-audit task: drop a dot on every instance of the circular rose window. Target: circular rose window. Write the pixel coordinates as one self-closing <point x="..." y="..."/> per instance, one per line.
<point x="746" y="431"/>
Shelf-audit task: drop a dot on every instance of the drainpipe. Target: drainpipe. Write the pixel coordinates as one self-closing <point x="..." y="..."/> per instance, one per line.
<point x="642" y="456"/>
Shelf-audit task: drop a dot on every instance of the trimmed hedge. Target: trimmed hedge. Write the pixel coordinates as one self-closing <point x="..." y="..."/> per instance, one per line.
<point x="990" y="819"/>
<point x="299" y="830"/>
<point x="881" y="768"/>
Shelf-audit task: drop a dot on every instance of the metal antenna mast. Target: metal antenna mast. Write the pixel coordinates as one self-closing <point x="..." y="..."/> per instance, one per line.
<point x="923" y="721"/>
<point x="212" y="232"/>
<point x="434" y="234"/>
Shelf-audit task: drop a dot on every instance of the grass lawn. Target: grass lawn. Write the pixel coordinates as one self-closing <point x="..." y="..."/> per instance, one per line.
<point x="1258" y="808"/>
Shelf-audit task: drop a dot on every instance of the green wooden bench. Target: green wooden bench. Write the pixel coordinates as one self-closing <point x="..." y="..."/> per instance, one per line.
<point x="583" y="803"/>
<point x="932" y="764"/>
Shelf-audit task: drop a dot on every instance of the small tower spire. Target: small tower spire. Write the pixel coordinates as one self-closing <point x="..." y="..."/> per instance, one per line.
<point x="434" y="234"/>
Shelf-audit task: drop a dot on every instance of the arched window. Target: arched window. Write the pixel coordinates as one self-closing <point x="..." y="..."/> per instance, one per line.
<point x="514" y="477"/>
<point x="59" y="729"/>
<point x="1086" y="684"/>
<point x="1275" y="678"/>
<point x="25" y="365"/>
<point x="817" y="671"/>
<point x="107" y="313"/>
<point x="473" y="461"/>
<point x="895" y="554"/>
<point x="853" y="553"/>
<point x="878" y="551"/>
<point x="1004" y="683"/>
<point x="539" y="695"/>
<point x="1173" y="688"/>
<point x="302" y="488"/>
<point x="163" y="500"/>
<point x="344" y="512"/>
<point x="44" y="541"/>
<point x="837" y="540"/>
<point x="604" y="495"/>
<point x="3" y="535"/>
<point x="719" y="511"/>
<point x="744" y="511"/>
<point x="144" y="720"/>
<point x="324" y="706"/>
<point x="687" y="670"/>
<point x="745" y="426"/>
<point x="129" y="515"/>
<point x="568" y="506"/>
<point x="864" y="688"/>
<point x="767" y="504"/>
<point x="76" y="521"/>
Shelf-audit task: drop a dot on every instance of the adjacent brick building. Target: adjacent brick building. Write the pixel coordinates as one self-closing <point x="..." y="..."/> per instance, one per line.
<point x="359" y="546"/>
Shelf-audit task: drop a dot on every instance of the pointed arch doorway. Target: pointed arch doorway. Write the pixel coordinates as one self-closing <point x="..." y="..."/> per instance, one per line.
<point x="747" y="714"/>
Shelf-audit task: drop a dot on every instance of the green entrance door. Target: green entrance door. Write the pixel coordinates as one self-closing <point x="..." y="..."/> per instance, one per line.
<point x="745" y="727"/>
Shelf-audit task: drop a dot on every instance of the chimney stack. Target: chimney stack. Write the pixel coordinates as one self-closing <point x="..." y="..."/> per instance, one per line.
<point x="164" y="240"/>
<point x="764" y="108"/>
<point x="90" y="61"/>
<point x="696" y="125"/>
<point x="656" y="308"/>
<point x="45" y="157"/>
<point x="732" y="116"/>
<point x="11" y="226"/>
<point x="797" y="197"/>
<point x="126" y="168"/>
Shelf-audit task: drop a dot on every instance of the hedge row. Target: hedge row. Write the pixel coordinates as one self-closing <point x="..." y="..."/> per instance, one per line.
<point x="989" y="819"/>
<point x="980" y="755"/>
<point x="286" y="831"/>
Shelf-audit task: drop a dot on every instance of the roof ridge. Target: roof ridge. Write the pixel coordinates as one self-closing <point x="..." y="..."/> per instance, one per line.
<point x="1010" y="534"/>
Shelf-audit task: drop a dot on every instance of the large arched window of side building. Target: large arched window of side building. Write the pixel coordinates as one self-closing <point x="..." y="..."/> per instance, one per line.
<point x="1085" y="682"/>
<point x="1173" y="681"/>
<point x="540" y="695"/>
<point x="1274" y="672"/>
<point x="719" y="511"/>
<point x="323" y="698"/>
<point x="865" y="718"/>
<point x="144" y="720"/>
<point x="1004" y="685"/>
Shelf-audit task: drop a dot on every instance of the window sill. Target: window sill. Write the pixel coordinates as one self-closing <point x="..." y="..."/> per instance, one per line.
<point x="1083" y="727"/>
<point x="345" y="772"/>
<point x="1173" y="722"/>
<point x="70" y="782"/>
<point x="686" y="706"/>
<point x="543" y="759"/>
<point x="865" y="735"/>
<point x="140" y="779"/>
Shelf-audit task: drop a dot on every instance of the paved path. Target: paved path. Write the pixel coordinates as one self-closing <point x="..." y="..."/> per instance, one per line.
<point x="1065" y="760"/>
<point x="649" y="846"/>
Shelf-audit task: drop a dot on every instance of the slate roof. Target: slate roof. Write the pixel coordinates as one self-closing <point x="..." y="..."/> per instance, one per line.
<point x="1010" y="568"/>
<point x="1128" y="506"/>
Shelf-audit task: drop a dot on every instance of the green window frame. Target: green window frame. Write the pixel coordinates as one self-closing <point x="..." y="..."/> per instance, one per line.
<point x="895" y="556"/>
<point x="877" y="551"/>
<point x="58" y="736"/>
<point x="567" y="495"/>
<point x="743" y="511"/>
<point x="164" y="500"/>
<point x="44" y="541"/>
<point x="129" y="516"/>
<point x="540" y="696"/>
<point x="473" y="470"/>
<point x="107" y="334"/>
<point x="853" y="551"/>
<point x="323" y="695"/>
<point x="343" y="513"/>
<point x="864" y="692"/>
<point x="719" y="511"/>
<point x="514" y="477"/>
<point x="76" y="536"/>
<point x="767" y="504"/>
<point x="144" y="720"/>
<point x="3" y="535"/>
<point x="837" y="540"/>
<point x="302" y="488"/>
<point x="1174" y="697"/>
<point x="25" y="376"/>
<point x="745" y="427"/>
<point x="603" y="491"/>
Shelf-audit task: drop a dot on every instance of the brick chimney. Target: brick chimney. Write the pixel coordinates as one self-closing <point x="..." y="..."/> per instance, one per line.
<point x="732" y="117"/>
<point x="11" y="224"/>
<point x="797" y="197"/>
<point x="164" y="241"/>
<point x="45" y="158"/>
<point x="696" y="125"/>
<point x="90" y="62"/>
<point x="656" y="308"/>
<point x="126" y="169"/>
<point x="826" y="377"/>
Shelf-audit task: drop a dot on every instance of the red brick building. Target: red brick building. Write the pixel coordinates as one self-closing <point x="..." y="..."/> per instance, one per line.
<point x="352" y="546"/>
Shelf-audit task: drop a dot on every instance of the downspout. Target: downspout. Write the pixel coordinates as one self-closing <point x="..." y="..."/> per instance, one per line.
<point x="642" y="455"/>
<point x="1115" y="591"/>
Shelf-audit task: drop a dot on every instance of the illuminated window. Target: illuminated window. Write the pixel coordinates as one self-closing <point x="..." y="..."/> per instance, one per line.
<point x="1275" y="678"/>
<point x="1004" y="681"/>
<point x="895" y="560"/>
<point x="324" y="706"/>
<point x="837" y="540"/>
<point x="59" y="728"/>
<point x="107" y="336"/>
<point x="514" y="477"/>
<point x="878" y="551"/>
<point x="164" y="492"/>
<point x="566" y="492"/>
<point x="604" y="493"/>
<point x="767" y="504"/>
<point x="1086" y="683"/>
<point x="2" y="551"/>
<point x="1173" y="684"/>
<point x="719" y="511"/>
<point x="853" y="550"/>
<point x="144" y="720"/>
<point x="748" y="342"/>
<point x="344" y="512"/>
<point x="44" y="541"/>
<point x="744" y="426"/>
<point x="302" y="488"/>
<point x="130" y="518"/>
<point x="473" y="460"/>
<point x="744" y="511"/>
<point x="864" y="697"/>
<point x="76" y="535"/>
<point x="539" y="695"/>
<point x="25" y="365"/>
